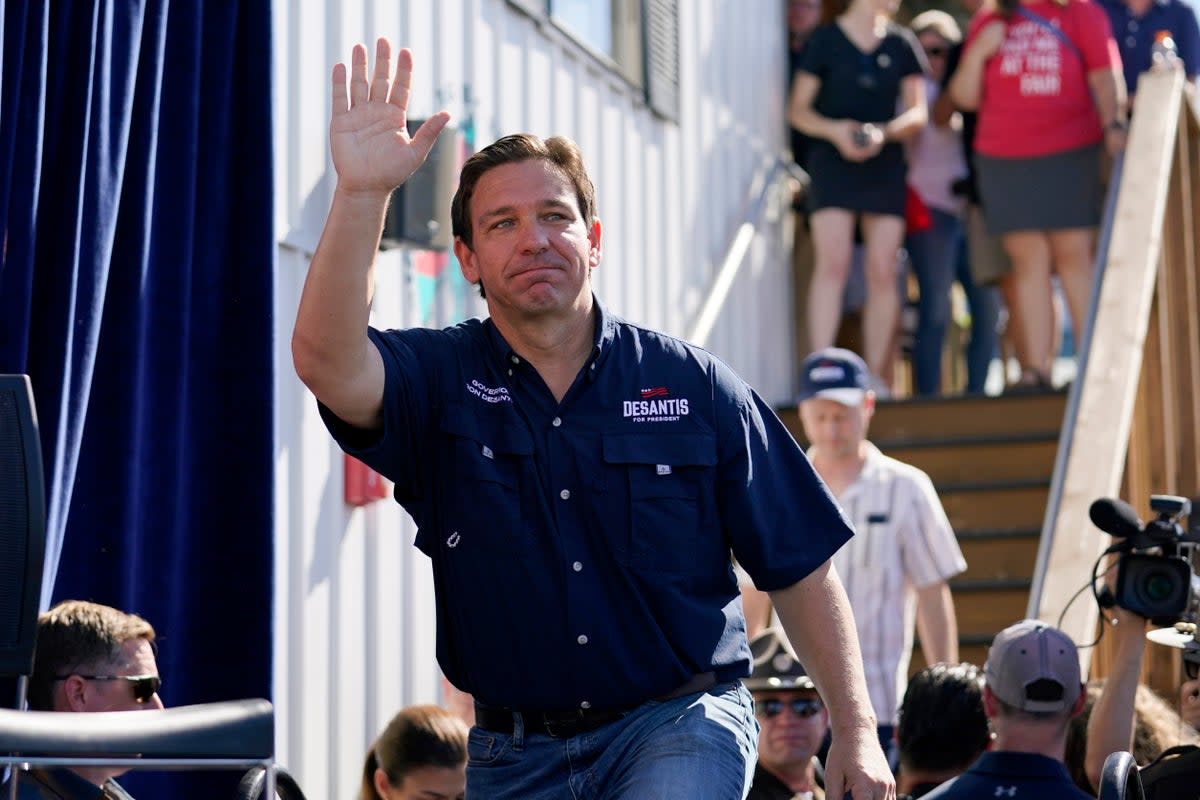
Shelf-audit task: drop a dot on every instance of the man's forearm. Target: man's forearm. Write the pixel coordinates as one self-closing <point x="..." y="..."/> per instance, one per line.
<point x="937" y="626"/>
<point x="329" y="343"/>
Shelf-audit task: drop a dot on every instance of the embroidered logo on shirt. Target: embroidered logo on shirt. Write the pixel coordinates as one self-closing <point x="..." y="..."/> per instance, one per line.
<point x="453" y="540"/>
<point x="1002" y="791"/>
<point x="487" y="452"/>
<point x="655" y="406"/>
<point x="663" y="469"/>
<point x="487" y="393"/>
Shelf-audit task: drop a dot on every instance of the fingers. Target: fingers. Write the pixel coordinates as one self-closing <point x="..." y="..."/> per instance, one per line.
<point x="402" y="87"/>
<point x="358" y="75"/>
<point x="427" y="134"/>
<point x="382" y="78"/>
<point x="340" y="98"/>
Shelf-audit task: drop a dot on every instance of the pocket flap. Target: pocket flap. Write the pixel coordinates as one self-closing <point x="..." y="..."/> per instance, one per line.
<point x="500" y="433"/>
<point x="673" y="449"/>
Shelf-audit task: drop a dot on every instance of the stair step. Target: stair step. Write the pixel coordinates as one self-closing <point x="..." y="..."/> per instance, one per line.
<point x="943" y="418"/>
<point x="972" y="653"/>
<point x="984" y="608"/>
<point x="990" y="459"/>
<point x="999" y="557"/>
<point x="1008" y="507"/>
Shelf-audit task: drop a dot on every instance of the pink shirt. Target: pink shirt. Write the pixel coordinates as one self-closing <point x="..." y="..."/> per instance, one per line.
<point x="1036" y="100"/>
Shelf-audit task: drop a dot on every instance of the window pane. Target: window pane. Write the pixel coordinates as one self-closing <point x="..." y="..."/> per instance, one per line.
<point x="589" y="20"/>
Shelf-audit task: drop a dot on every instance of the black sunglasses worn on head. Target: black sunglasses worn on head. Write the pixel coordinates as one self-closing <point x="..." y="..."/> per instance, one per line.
<point x="801" y="706"/>
<point x="144" y="686"/>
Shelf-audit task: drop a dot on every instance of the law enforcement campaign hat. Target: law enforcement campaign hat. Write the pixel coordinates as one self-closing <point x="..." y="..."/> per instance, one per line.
<point x="1033" y="666"/>
<point x="776" y="667"/>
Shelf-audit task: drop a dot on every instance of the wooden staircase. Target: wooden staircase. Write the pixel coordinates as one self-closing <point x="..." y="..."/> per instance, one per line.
<point x="991" y="460"/>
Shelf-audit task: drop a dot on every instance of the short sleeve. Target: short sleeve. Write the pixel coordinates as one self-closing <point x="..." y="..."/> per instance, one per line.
<point x="930" y="551"/>
<point x="815" y="59"/>
<point x="910" y="58"/>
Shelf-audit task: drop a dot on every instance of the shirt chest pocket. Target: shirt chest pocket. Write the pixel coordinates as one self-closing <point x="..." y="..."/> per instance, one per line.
<point x="480" y="506"/>
<point x="672" y="520"/>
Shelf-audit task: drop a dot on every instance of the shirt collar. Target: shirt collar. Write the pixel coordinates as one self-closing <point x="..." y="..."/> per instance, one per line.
<point x="603" y="337"/>
<point x="1027" y="765"/>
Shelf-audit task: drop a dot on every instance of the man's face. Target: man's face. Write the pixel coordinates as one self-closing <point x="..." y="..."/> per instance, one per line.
<point x="135" y="659"/>
<point x="789" y="739"/>
<point x="530" y="248"/>
<point x="835" y="430"/>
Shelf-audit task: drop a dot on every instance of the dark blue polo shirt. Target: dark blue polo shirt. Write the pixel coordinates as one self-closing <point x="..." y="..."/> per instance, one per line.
<point x="581" y="550"/>
<point x="1022" y="776"/>
<point x="1135" y="35"/>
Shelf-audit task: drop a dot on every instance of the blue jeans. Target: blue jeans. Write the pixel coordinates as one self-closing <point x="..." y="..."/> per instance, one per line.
<point x="701" y="746"/>
<point x="984" y="303"/>
<point x="938" y="256"/>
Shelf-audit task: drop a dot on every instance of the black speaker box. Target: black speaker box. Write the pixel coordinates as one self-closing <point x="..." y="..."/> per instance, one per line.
<point x="22" y="525"/>
<point x="419" y="213"/>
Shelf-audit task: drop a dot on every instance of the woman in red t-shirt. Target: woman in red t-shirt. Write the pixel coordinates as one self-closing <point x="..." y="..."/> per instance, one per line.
<point x="1045" y="77"/>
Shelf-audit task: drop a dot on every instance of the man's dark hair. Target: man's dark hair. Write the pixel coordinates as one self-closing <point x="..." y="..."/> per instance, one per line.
<point x="77" y="635"/>
<point x="558" y="150"/>
<point x="941" y="724"/>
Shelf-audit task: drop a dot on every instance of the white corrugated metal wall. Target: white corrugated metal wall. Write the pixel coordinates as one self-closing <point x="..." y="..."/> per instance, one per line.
<point x="354" y="615"/>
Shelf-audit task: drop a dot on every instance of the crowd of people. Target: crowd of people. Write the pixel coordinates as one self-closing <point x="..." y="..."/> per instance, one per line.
<point x="980" y="158"/>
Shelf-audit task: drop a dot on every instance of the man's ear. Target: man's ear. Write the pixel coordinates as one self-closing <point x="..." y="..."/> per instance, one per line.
<point x="383" y="786"/>
<point x="1080" y="701"/>
<point x="466" y="260"/>
<point x="990" y="703"/>
<point x="73" y="694"/>
<point x="594" y="251"/>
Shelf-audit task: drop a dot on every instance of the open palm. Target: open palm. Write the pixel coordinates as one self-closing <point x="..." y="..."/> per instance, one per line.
<point x="372" y="150"/>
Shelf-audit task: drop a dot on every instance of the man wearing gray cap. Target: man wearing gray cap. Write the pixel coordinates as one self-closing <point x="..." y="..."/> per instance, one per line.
<point x="793" y="722"/>
<point x="1032" y="689"/>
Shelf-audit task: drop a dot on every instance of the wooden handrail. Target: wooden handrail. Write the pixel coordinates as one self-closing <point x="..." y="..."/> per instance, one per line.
<point x="1134" y="430"/>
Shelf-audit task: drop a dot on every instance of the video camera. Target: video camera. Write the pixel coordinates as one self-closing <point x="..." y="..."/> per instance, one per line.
<point x="1156" y="575"/>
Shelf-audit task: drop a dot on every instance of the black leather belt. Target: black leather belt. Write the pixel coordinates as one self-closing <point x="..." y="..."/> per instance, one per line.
<point x="572" y="722"/>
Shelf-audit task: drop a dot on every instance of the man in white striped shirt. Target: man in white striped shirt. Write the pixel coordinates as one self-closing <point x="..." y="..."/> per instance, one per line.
<point x="896" y="567"/>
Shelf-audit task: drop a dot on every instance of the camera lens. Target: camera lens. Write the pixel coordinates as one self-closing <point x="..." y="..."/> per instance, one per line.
<point x="1158" y="587"/>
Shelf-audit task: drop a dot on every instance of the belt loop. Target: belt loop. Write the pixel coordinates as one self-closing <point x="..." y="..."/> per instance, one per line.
<point x="518" y="734"/>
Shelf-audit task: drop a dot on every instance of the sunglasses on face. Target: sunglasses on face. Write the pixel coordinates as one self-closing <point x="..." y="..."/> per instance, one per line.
<point x="144" y="686"/>
<point x="937" y="51"/>
<point x="801" y="706"/>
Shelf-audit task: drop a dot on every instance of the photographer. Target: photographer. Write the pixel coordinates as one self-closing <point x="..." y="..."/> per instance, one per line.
<point x="1154" y="582"/>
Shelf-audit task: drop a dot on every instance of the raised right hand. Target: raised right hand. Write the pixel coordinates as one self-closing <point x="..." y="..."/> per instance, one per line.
<point x="368" y="134"/>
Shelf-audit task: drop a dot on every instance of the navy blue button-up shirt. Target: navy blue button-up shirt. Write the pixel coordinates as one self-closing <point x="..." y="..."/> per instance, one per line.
<point x="1024" y="776"/>
<point x="581" y="550"/>
<point x="1135" y="35"/>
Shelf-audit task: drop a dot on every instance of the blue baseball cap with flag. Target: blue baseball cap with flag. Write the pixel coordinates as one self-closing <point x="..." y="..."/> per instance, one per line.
<point x="834" y="374"/>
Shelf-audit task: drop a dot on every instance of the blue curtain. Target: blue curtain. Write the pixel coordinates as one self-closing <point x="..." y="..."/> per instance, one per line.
<point x="136" y="288"/>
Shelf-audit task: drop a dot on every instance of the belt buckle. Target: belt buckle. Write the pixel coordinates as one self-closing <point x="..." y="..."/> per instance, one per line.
<point x="563" y="728"/>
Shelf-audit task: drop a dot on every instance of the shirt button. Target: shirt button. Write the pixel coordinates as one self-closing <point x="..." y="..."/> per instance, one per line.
<point x="565" y="494"/>
<point x="585" y="704"/>
<point x="577" y="566"/>
<point x="556" y="422"/>
<point x="1133" y="26"/>
<point x="1130" y="42"/>
<point x="510" y="372"/>
<point x="582" y="639"/>
<point x="593" y="366"/>
<point x="516" y="360"/>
